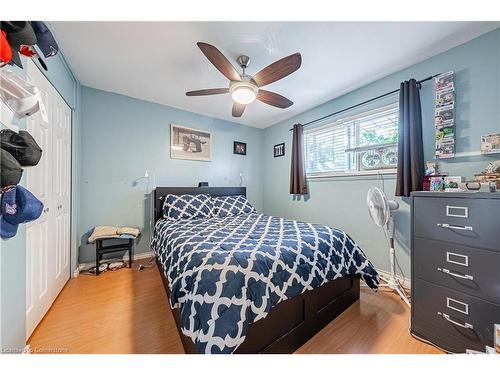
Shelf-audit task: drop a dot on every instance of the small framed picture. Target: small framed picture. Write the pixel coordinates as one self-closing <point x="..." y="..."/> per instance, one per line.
<point x="239" y="148"/>
<point x="279" y="150"/>
<point x="490" y="143"/>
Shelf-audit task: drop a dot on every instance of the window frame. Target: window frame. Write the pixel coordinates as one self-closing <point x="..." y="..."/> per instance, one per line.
<point x="339" y="121"/>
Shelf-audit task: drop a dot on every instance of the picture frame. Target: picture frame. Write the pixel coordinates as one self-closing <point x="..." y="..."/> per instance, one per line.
<point x="279" y="150"/>
<point x="490" y="143"/>
<point x="190" y="144"/>
<point x="239" y="148"/>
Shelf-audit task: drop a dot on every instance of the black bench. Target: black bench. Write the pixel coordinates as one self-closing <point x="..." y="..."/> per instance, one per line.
<point x="126" y="244"/>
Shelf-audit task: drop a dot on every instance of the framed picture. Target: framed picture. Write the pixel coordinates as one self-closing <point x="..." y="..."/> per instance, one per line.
<point x="239" y="148"/>
<point x="279" y="150"/>
<point x="190" y="144"/>
<point x="490" y="143"/>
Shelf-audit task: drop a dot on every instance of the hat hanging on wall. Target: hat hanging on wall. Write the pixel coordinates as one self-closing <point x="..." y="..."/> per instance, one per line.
<point x="18" y="206"/>
<point x="5" y="50"/>
<point x="45" y="40"/>
<point x="22" y="98"/>
<point x="31" y="52"/>
<point x="22" y="146"/>
<point x="10" y="171"/>
<point x="18" y="33"/>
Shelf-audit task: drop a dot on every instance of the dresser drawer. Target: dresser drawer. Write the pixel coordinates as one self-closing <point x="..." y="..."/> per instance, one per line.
<point x="452" y="314"/>
<point x="471" y="222"/>
<point x="465" y="269"/>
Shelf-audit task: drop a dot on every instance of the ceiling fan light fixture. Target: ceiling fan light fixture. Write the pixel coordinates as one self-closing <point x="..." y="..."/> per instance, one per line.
<point x="245" y="89"/>
<point x="243" y="92"/>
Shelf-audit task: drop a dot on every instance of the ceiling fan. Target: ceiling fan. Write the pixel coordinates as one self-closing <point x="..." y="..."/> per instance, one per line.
<point x="244" y="89"/>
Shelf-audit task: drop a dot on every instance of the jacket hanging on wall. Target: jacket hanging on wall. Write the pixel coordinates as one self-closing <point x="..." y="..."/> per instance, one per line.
<point x="410" y="145"/>
<point x="298" y="184"/>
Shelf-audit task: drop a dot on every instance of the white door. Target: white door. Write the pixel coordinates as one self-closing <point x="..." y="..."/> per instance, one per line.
<point x="47" y="238"/>
<point x="38" y="239"/>
<point x="61" y="173"/>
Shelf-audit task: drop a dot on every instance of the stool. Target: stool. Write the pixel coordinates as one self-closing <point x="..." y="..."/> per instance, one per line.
<point x="101" y="249"/>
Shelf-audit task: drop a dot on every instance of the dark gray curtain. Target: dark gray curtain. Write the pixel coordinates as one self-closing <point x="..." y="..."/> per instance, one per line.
<point x="410" y="146"/>
<point x="298" y="183"/>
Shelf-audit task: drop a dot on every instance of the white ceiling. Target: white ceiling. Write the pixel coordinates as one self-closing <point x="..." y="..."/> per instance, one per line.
<point x="159" y="61"/>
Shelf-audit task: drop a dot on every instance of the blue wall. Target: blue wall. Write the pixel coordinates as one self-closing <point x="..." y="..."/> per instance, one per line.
<point x="122" y="137"/>
<point x="341" y="201"/>
<point x="13" y="251"/>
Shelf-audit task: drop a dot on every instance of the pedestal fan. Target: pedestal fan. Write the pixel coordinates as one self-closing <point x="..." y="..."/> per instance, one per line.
<point x="381" y="210"/>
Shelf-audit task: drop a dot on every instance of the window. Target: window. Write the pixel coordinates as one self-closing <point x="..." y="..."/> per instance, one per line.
<point x="365" y="143"/>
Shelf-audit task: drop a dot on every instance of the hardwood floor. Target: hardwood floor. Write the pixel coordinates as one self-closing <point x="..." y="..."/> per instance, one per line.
<point x="377" y="324"/>
<point x="123" y="311"/>
<point x="126" y="311"/>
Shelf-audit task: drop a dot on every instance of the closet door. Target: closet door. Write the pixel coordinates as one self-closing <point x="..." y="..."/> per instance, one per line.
<point x="39" y="240"/>
<point x="48" y="238"/>
<point x="61" y="148"/>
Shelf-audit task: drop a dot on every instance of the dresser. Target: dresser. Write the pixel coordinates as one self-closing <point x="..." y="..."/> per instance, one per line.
<point x="455" y="260"/>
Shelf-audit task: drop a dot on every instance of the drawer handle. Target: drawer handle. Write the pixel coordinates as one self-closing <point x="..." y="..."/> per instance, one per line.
<point x="447" y="271"/>
<point x="463" y="325"/>
<point x="456" y="209"/>
<point x="457" y="305"/>
<point x="454" y="258"/>
<point x="459" y="227"/>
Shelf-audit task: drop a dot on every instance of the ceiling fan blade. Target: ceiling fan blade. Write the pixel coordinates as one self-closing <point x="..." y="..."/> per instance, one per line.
<point x="238" y="109"/>
<point x="278" y="70"/>
<point x="219" y="61"/>
<point x="207" y="92"/>
<point x="273" y="99"/>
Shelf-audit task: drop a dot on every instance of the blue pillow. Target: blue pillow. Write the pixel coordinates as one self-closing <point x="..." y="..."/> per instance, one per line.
<point x="187" y="206"/>
<point x="231" y="205"/>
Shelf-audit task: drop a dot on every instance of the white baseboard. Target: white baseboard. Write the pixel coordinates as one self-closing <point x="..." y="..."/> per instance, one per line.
<point x="86" y="266"/>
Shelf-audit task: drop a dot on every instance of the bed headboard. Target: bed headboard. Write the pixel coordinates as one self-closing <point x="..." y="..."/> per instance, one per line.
<point x="160" y="192"/>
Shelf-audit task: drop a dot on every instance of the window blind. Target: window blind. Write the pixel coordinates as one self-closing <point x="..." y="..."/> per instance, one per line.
<point x="325" y="147"/>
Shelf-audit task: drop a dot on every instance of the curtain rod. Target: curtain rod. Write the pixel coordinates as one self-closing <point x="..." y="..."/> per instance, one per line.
<point x="365" y="102"/>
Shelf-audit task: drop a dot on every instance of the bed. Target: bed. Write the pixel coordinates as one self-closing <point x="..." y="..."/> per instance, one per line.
<point x="253" y="283"/>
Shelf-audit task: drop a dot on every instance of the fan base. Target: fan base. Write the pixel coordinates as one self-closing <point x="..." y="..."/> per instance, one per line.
<point x="392" y="283"/>
<point x="243" y="61"/>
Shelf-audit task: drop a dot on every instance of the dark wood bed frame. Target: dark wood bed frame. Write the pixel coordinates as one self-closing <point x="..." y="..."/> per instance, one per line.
<point x="289" y="324"/>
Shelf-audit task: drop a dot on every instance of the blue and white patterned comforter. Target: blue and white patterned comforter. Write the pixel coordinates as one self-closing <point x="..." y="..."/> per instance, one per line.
<point x="225" y="273"/>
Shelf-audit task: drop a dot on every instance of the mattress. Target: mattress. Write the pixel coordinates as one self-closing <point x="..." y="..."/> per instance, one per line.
<point x="226" y="273"/>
